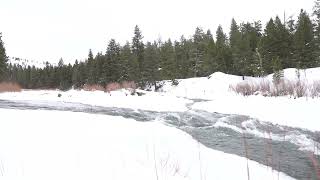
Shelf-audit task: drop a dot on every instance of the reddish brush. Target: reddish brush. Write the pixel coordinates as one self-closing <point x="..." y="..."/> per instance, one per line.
<point x="9" y="87"/>
<point x="93" y="87"/>
<point x="112" y="87"/>
<point x="128" y="85"/>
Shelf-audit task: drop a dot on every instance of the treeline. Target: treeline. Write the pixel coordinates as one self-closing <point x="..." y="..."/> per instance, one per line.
<point x="248" y="50"/>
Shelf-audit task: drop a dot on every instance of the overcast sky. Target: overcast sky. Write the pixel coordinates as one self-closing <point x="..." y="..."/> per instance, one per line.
<point x="50" y="29"/>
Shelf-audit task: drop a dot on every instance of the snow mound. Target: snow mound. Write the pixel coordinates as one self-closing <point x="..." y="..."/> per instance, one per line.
<point x="38" y="145"/>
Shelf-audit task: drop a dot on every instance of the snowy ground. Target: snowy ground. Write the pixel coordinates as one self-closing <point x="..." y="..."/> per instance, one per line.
<point x="301" y="112"/>
<point x="67" y="145"/>
<point x="122" y="99"/>
<point x="70" y="145"/>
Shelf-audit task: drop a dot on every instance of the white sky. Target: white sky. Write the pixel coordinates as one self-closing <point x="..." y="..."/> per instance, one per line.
<point x="50" y="29"/>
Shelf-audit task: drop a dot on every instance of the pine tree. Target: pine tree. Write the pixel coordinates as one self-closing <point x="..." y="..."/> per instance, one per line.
<point x="168" y="62"/>
<point x="199" y="50"/>
<point x="223" y="57"/>
<point x="269" y="46"/>
<point x="209" y="63"/>
<point x="76" y="75"/>
<point x="277" y="70"/>
<point x="316" y="13"/>
<point x="184" y="58"/>
<point x="125" y="59"/>
<point x="91" y="69"/>
<point x="235" y="42"/>
<point x="111" y="66"/>
<point x="304" y="42"/>
<point x="138" y="54"/>
<point x="152" y="60"/>
<point x="3" y="60"/>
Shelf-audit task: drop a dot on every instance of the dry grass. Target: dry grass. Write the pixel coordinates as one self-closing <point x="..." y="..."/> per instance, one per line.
<point x="93" y="87"/>
<point x="9" y="87"/>
<point x="315" y="89"/>
<point x="112" y="87"/>
<point x="129" y="85"/>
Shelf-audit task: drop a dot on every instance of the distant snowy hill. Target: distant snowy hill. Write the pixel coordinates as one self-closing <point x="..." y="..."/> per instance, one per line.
<point x="27" y="62"/>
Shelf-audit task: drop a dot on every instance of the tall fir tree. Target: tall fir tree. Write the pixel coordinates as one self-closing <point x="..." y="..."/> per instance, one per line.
<point x="111" y="64"/>
<point x="223" y="57"/>
<point x="3" y="60"/>
<point x="316" y="13"/>
<point x="198" y="53"/>
<point x="168" y="61"/>
<point x="152" y="59"/>
<point x="138" y="54"/>
<point x="124" y="65"/>
<point x="92" y="79"/>
<point x="304" y="42"/>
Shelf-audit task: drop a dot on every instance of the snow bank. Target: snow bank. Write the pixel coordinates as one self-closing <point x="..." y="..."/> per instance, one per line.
<point x="65" y="145"/>
<point x="122" y="99"/>
<point x="301" y="112"/>
<point x="217" y="85"/>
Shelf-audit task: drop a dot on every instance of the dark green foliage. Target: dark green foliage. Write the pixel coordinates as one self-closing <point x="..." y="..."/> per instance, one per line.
<point x="3" y="60"/>
<point x="277" y="71"/>
<point x="152" y="65"/>
<point x="246" y="51"/>
<point x="305" y="48"/>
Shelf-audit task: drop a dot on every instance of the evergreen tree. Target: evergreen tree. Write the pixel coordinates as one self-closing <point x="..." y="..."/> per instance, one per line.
<point x="316" y="13"/>
<point x="138" y="53"/>
<point x="269" y="46"/>
<point x="168" y="62"/>
<point x="152" y="59"/>
<point x="304" y="42"/>
<point x="223" y="57"/>
<point x="91" y="69"/>
<point x="199" y="50"/>
<point x="235" y="45"/>
<point x="3" y="60"/>
<point x="209" y="63"/>
<point x="111" y="66"/>
<point x="125" y="59"/>
<point x="277" y="71"/>
<point x="76" y="75"/>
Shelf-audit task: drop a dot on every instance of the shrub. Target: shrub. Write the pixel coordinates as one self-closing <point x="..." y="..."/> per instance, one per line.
<point x="243" y="88"/>
<point x="93" y="87"/>
<point x="112" y="87"/>
<point x="281" y="88"/>
<point x="175" y="82"/>
<point x="300" y="89"/>
<point x="9" y="87"/>
<point x="128" y="85"/>
<point x="315" y="89"/>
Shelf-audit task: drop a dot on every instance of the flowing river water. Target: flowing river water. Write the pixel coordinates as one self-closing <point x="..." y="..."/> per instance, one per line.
<point x="290" y="150"/>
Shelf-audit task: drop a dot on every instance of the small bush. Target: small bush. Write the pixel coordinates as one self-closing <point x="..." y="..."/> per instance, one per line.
<point x="175" y="82"/>
<point x="300" y="89"/>
<point x="128" y="85"/>
<point x="281" y="88"/>
<point x="93" y="87"/>
<point x="243" y="88"/>
<point x="112" y="87"/>
<point x="9" y="87"/>
<point x="315" y="89"/>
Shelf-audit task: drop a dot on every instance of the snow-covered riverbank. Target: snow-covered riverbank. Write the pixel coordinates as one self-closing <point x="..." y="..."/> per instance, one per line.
<point x="67" y="145"/>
